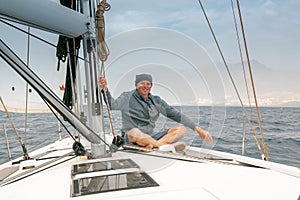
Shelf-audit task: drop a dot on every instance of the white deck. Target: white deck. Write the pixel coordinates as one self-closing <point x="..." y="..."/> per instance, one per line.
<point x="177" y="179"/>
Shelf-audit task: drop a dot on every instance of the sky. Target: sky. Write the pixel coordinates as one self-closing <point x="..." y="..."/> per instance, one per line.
<point x="171" y="40"/>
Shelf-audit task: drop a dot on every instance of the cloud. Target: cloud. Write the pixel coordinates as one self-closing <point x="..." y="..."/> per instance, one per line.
<point x="270" y="8"/>
<point x="272" y="33"/>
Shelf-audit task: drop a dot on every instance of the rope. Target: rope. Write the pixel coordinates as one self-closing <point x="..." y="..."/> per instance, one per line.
<point x="7" y="143"/>
<point x="32" y="35"/>
<point x="25" y="154"/>
<point x="103" y="51"/>
<point x="264" y="150"/>
<point x="221" y="53"/>
<point x="244" y="74"/>
<point x="175" y="156"/>
<point x="59" y="119"/>
<point x="39" y="168"/>
<point x="26" y="87"/>
<point x="246" y="84"/>
<point x="109" y="113"/>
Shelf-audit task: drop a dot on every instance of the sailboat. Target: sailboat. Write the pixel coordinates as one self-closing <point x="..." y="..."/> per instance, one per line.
<point x="94" y="165"/>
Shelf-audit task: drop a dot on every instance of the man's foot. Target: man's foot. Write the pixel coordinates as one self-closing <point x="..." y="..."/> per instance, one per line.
<point x="150" y="147"/>
<point x="179" y="146"/>
<point x="167" y="148"/>
<point x="175" y="147"/>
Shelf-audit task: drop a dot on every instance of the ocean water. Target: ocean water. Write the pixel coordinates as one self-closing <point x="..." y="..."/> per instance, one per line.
<point x="280" y="128"/>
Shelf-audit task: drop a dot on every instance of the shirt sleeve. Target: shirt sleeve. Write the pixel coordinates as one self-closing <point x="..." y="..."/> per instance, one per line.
<point x="117" y="104"/>
<point x="174" y="114"/>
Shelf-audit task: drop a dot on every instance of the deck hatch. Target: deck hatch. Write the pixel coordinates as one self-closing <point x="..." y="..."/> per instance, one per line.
<point x="103" y="166"/>
<point x="111" y="175"/>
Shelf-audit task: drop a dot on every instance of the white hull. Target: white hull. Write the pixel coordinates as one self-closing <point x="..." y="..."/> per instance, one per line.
<point x="178" y="178"/>
<point x="55" y="173"/>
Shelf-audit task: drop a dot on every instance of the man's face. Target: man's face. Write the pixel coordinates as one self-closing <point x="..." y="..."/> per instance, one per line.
<point x="143" y="88"/>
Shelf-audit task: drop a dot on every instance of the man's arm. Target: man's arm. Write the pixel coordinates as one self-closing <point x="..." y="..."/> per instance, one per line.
<point x="179" y="117"/>
<point x="204" y="135"/>
<point x="174" y="114"/>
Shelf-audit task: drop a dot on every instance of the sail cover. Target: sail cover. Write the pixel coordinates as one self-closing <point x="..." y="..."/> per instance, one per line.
<point x="58" y="18"/>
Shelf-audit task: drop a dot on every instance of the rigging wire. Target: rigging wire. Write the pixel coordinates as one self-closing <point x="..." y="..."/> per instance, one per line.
<point x="240" y="50"/>
<point x="57" y="117"/>
<point x="7" y="143"/>
<point x="25" y="154"/>
<point x="44" y="166"/>
<point x="264" y="146"/>
<point x="221" y="53"/>
<point x="264" y="152"/>
<point x="34" y="36"/>
<point x="51" y="93"/>
<point x="67" y="128"/>
<point x="246" y="85"/>
<point x="26" y="86"/>
<point x="39" y="78"/>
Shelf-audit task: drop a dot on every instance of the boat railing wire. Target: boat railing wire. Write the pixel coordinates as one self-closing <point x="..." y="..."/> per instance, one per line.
<point x="14" y="144"/>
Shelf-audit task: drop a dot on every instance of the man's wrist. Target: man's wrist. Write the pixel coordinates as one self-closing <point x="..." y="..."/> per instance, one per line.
<point x="198" y="129"/>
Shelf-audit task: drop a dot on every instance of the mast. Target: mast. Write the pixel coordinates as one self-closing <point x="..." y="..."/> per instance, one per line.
<point x="45" y="92"/>
<point x="94" y="103"/>
<point x="81" y="23"/>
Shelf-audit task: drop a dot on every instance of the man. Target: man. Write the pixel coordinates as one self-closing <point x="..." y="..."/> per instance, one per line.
<point x="140" y="110"/>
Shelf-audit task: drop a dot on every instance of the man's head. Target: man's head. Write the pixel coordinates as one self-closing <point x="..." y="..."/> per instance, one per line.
<point x="143" y="77"/>
<point x="143" y="83"/>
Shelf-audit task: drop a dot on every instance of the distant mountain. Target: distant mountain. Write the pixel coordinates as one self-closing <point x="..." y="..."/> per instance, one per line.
<point x="273" y="87"/>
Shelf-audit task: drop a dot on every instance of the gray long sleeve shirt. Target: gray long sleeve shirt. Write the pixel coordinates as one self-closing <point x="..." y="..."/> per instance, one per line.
<point x="139" y="113"/>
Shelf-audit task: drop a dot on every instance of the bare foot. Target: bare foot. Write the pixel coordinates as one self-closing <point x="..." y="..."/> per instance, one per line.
<point x="175" y="147"/>
<point x="150" y="147"/>
<point x="179" y="146"/>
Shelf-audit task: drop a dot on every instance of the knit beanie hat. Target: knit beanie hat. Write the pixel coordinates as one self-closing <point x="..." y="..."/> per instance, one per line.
<point x="143" y="77"/>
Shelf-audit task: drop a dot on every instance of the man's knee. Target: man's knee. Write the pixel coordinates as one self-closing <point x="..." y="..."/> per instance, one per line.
<point x="183" y="130"/>
<point x="133" y="134"/>
<point x="179" y="131"/>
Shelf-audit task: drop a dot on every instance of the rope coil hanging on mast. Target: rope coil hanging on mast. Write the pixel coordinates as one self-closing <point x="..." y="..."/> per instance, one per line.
<point x="103" y="53"/>
<point x="103" y="50"/>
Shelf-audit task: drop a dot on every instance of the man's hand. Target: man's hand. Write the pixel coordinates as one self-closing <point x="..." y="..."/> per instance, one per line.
<point x="204" y="135"/>
<point x="102" y="82"/>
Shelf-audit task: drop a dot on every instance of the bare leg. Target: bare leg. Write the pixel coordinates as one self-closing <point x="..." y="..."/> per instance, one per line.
<point x="142" y="139"/>
<point x="174" y="134"/>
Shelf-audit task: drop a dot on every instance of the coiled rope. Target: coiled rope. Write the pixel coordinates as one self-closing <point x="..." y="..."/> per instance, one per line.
<point x="103" y="50"/>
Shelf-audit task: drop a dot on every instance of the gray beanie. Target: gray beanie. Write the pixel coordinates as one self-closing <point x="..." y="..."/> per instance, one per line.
<point x="143" y="77"/>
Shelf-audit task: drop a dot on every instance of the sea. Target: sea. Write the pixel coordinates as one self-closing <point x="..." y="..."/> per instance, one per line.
<point x="232" y="128"/>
